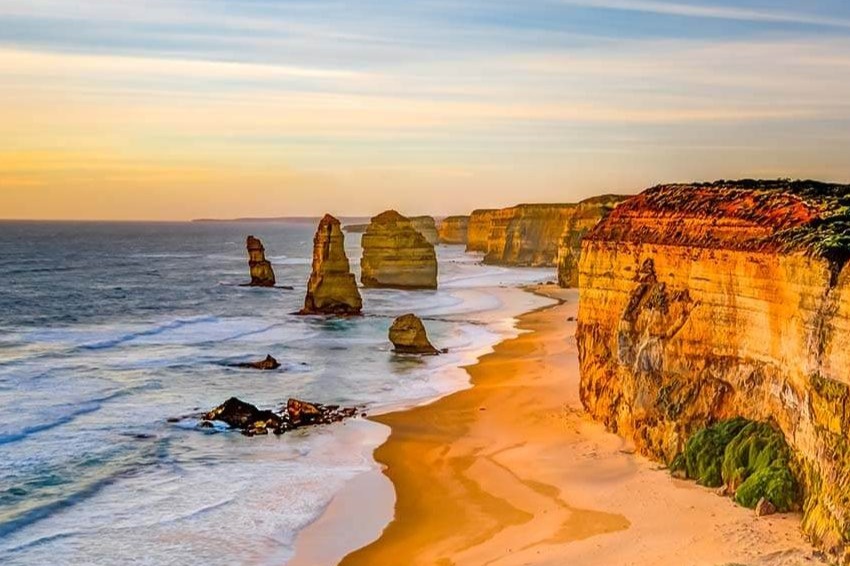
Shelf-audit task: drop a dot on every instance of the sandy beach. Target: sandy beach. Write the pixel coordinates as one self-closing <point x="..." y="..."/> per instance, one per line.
<point x="512" y="472"/>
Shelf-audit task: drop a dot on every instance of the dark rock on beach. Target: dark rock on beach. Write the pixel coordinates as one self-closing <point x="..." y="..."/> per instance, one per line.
<point x="251" y="421"/>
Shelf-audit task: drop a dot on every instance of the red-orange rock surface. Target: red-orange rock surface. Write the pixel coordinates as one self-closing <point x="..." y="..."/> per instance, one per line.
<point x="478" y="232"/>
<point x="711" y="301"/>
<point x="584" y="217"/>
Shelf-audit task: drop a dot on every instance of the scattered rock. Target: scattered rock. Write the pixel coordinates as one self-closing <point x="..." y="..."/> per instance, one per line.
<point x="262" y="274"/>
<point x="332" y="288"/>
<point x="408" y="336"/>
<point x="267" y="364"/>
<point x="765" y="508"/>
<point x="251" y="421"/>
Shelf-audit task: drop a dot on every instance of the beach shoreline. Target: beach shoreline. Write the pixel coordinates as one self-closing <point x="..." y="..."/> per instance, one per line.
<point x="511" y="471"/>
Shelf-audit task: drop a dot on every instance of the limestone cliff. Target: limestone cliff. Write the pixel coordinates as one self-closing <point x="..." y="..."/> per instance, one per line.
<point x="527" y="234"/>
<point x="584" y="216"/>
<point x="712" y="301"/>
<point x="427" y="226"/>
<point x="453" y="230"/>
<point x="396" y="255"/>
<point x="262" y="274"/>
<point x="332" y="288"/>
<point x="478" y="232"/>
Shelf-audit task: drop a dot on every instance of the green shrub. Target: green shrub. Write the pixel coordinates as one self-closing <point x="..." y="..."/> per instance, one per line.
<point x="703" y="455"/>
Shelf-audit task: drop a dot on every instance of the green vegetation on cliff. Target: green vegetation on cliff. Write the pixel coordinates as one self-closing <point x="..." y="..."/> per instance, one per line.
<point x="751" y="459"/>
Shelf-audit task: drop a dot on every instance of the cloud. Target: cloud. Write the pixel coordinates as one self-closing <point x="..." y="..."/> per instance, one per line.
<point x="712" y="11"/>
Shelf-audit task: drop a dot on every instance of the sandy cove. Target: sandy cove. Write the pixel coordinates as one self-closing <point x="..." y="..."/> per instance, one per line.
<point x="512" y="472"/>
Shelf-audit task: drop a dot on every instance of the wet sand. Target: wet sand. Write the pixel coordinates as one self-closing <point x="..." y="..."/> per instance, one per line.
<point x="511" y="472"/>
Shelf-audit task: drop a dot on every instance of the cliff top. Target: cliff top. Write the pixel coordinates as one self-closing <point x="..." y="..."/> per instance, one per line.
<point x="781" y="216"/>
<point x="389" y="217"/>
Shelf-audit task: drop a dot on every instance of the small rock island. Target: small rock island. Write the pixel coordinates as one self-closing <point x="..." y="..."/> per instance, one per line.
<point x="262" y="274"/>
<point x="408" y="336"/>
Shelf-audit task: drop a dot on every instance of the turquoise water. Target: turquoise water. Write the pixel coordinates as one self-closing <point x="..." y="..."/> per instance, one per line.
<point x="108" y="330"/>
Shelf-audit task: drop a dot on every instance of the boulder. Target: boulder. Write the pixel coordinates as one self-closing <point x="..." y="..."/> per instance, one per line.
<point x="408" y="336"/>
<point x="332" y="288"/>
<point x="267" y="364"/>
<point x="765" y="508"/>
<point x="396" y="255"/>
<point x="262" y="274"/>
<point x="250" y="420"/>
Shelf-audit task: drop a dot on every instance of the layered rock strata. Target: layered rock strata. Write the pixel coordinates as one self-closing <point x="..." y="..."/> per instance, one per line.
<point x="396" y="255"/>
<point x="453" y="230"/>
<point x="262" y="274"/>
<point x="584" y="216"/>
<point x="527" y="234"/>
<point x="332" y="288"/>
<point x="408" y="336"/>
<point x="427" y="226"/>
<point x="732" y="299"/>
<point x="478" y="231"/>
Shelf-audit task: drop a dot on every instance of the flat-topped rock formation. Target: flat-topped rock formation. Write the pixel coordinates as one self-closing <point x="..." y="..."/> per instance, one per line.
<point x="585" y="216"/>
<point x="527" y="234"/>
<point x="396" y="255"/>
<point x="262" y="274"/>
<point x="453" y="230"/>
<point x="332" y="288"/>
<point x="427" y="226"/>
<point x="478" y="230"/>
<point x="731" y="299"/>
<point x="408" y="336"/>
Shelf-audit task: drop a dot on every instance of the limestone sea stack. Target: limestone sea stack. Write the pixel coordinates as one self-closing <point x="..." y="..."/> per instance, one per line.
<point x="396" y="255"/>
<point x="408" y="336"/>
<point x="527" y="234"/>
<point x="478" y="230"/>
<point x="585" y="216"/>
<point x="453" y="230"/>
<point x="706" y="302"/>
<point x="427" y="226"/>
<point x="262" y="274"/>
<point x="332" y="288"/>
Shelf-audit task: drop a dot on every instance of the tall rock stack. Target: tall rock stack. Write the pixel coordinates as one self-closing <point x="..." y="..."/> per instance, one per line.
<point x="478" y="231"/>
<point x="427" y="226"/>
<point x="332" y="288"/>
<point x="262" y="274"/>
<point x="585" y="216"/>
<point x="396" y="255"/>
<point x="453" y="230"/>
<point x="731" y="299"/>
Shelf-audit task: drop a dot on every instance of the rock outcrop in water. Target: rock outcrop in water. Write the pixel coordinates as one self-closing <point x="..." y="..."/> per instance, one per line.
<point x="266" y="365"/>
<point x="251" y="421"/>
<point x="262" y="274"/>
<point x="408" y="336"/>
<point x="332" y="288"/>
<point x="396" y="255"/>
<point x="478" y="230"/>
<point x="453" y="230"/>
<point x="585" y="216"/>
<point x="427" y="226"/>
<point x="707" y="302"/>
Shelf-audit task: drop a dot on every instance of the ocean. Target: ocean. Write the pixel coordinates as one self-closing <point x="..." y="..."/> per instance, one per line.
<point x="108" y="330"/>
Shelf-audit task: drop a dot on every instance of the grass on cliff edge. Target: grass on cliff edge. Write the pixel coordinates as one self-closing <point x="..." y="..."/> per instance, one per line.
<point x="751" y="458"/>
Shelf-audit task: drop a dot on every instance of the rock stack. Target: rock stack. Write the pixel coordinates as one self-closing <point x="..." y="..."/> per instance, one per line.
<point x="453" y="230"/>
<point x="478" y="231"/>
<point x="409" y="337"/>
<point x="427" y="226"/>
<point x="262" y="274"/>
<point x="332" y="288"/>
<point x="396" y="255"/>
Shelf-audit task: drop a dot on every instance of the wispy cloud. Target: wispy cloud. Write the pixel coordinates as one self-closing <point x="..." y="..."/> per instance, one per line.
<point x="713" y="11"/>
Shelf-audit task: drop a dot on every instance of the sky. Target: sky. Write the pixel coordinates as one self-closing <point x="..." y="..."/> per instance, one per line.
<point x="178" y="109"/>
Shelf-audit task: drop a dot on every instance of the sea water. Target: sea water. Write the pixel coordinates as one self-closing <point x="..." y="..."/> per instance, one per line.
<point x="108" y="330"/>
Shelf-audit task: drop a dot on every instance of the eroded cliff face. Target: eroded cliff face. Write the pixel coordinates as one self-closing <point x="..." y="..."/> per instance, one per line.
<point x="453" y="230"/>
<point x="262" y="274"/>
<point x="478" y="231"/>
<point x="584" y="217"/>
<point x="397" y="255"/>
<point x="332" y="288"/>
<point x="427" y="226"/>
<point x="527" y="234"/>
<point x="707" y="302"/>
